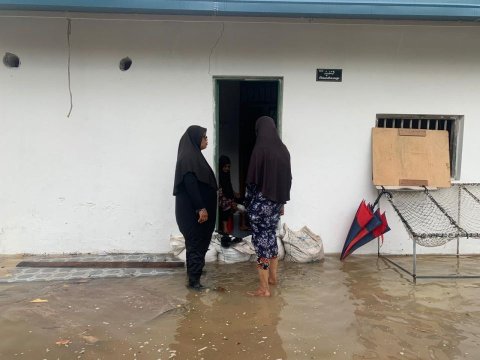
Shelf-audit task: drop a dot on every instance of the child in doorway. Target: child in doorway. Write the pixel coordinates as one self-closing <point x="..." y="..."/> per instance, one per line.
<point x="228" y="201"/>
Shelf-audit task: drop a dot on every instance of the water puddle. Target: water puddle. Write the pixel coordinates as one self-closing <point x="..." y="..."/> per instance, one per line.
<point x="360" y="309"/>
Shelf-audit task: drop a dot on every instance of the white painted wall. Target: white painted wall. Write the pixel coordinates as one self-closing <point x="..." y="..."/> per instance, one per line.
<point x="101" y="180"/>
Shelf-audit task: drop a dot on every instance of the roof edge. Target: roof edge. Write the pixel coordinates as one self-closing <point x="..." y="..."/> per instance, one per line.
<point x="436" y="10"/>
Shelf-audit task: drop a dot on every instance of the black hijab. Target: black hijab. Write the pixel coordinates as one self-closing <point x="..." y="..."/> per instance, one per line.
<point x="224" y="178"/>
<point x="190" y="159"/>
<point x="269" y="165"/>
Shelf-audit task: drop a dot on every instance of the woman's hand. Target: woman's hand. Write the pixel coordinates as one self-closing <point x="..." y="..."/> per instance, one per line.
<point x="202" y="216"/>
<point x="282" y="210"/>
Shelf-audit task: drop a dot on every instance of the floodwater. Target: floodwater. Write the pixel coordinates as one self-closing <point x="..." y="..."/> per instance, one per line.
<point x="360" y="309"/>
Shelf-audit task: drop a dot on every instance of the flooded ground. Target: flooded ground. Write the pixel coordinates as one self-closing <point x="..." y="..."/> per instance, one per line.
<point x="360" y="309"/>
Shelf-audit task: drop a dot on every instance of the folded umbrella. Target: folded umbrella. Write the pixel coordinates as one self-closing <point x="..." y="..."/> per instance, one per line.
<point x="376" y="228"/>
<point x="367" y="225"/>
<point x="362" y="217"/>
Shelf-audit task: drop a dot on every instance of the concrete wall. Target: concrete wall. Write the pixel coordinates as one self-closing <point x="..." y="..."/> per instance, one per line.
<point x="101" y="179"/>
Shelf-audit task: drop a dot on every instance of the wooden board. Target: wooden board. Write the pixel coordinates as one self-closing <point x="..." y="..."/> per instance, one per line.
<point x="404" y="157"/>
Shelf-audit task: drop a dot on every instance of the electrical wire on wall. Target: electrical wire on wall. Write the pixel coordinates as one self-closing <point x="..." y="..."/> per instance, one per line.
<point x="69" y="32"/>
<point x="214" y="46"/>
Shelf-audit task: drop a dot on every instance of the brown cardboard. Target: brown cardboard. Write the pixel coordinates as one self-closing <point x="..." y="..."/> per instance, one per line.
<point x="408" y="157"/>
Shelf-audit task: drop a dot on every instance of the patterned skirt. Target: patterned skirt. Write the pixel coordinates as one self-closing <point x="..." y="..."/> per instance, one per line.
<point x="264" y="215"/>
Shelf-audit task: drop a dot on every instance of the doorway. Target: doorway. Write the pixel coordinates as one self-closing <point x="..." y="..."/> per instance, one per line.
<point x="239" y="103"/>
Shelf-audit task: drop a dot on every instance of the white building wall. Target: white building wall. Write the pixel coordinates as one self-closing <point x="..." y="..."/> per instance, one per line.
<point x="101" y="179"/>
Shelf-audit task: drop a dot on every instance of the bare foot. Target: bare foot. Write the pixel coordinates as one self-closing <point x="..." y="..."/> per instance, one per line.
<point x="259" y="292"/>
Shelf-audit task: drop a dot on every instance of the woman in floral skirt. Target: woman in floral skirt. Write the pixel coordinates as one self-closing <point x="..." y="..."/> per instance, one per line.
<point x="269" y="180"/>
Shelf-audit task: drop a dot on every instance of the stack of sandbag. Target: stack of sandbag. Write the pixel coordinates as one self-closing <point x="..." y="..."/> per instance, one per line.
<point x="246" y="246"/>
<point x="177" y="243"/>
<point x="235" y="253"/>
<point x="302" y="246"/>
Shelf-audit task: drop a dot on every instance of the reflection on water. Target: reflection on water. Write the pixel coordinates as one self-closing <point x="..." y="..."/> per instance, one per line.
<point x="225" y="323"/>
<point x="398" y="319"/>
<point x="359" y="309"/>
<point x="316" y="322"/>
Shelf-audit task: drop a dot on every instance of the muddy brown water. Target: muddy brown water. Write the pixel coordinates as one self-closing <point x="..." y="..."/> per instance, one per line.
<point x="359" y="309"/>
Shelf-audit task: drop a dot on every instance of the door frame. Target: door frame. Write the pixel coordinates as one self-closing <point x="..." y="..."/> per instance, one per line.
<point x="216" y="79"/>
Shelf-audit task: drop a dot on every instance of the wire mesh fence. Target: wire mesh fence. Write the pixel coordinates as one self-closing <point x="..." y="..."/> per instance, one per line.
<point x="434" y="217"/>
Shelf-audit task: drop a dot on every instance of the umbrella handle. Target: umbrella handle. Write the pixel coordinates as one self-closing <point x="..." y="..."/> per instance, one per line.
<point x="383" y="192"/>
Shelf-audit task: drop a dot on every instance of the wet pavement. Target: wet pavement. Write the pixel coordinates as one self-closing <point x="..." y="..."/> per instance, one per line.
<point x="20" y="274"/>
<point x="360" y="309"/>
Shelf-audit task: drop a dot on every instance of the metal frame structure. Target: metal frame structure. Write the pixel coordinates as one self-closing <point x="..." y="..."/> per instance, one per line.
<point x="461" y="233"/>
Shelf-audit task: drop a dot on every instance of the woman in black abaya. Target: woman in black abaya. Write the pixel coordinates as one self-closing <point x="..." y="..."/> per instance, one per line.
<point x="195" y="191"/>
<point x="269" y="180"/>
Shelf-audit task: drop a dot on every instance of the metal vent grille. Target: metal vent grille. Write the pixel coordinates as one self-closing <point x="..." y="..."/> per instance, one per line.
<point x="428" y="124"/>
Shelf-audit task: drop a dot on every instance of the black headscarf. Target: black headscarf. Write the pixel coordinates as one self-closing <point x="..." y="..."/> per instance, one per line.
<point x="224" y="178"/>
<point x="269" y="165"/>
<point x="190" y="159"/>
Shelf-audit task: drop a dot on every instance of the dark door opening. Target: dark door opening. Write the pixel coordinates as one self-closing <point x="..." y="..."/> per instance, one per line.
<point x="239" y="104"/>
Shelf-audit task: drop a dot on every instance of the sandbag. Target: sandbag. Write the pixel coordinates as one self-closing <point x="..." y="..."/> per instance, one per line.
<point x="177" y="243"/>
<point x="182" y="255"/>
<point x="302" y="246"/>
<point x="281" y="249"/>
<point x="231" y="255"/>
<point x="210" y="256"/>
<point x="247" y="247"/>
<point x="238" y="252"/>
<point x="279" y="230"/>
<point x="213" y="248"/>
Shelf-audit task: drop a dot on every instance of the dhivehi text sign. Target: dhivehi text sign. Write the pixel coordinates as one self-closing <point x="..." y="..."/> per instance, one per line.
<point x="329" y="75"/>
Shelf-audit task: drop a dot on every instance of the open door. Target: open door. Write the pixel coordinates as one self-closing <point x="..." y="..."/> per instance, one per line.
<point x="240" y="102"/>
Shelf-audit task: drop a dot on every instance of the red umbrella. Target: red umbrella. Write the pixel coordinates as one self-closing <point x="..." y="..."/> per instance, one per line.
<point x="362" y="217"/>
<point x="367" y="225"/>
<point x="380" y="227"/>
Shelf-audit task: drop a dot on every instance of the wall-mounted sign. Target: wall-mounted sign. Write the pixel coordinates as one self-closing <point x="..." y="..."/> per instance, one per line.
<point x="329" y="75"/>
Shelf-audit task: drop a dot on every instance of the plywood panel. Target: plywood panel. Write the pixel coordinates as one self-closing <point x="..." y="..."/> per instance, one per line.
<point x="404" y="157"/>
